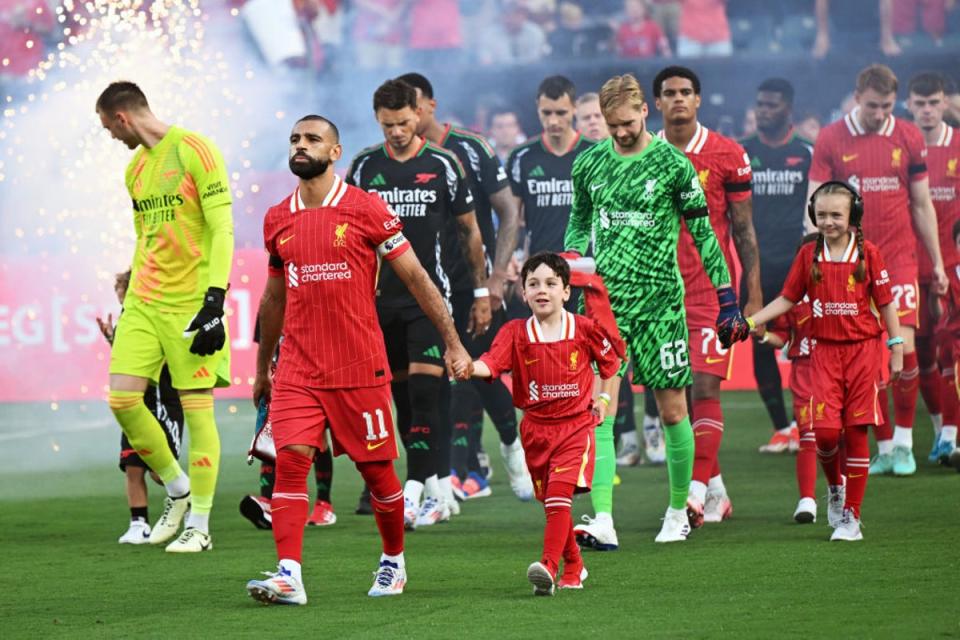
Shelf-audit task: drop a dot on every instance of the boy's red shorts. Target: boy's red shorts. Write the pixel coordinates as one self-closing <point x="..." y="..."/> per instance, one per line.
<point x="558" y="453"/>
<point x="359" y="419"/>
<point x="846" y="381"/>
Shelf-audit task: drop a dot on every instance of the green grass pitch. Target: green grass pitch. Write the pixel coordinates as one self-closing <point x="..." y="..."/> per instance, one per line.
<point x="758" y="575"/>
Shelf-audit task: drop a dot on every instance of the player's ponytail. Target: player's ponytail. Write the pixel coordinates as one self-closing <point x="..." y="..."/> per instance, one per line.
<point x="815" y="274"/>
<point x="860" y="274"/>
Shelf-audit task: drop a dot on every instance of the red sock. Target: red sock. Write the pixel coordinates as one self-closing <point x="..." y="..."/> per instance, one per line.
<point x="828" y="450"/>
<point x="707" y="433"/>
<point x="557" y="505"/>
<point x="807" y="462"/>
<point x="858" y="465"/>
<point x="951" y="402"/>
<point x="290" y="503"/>
<point x="929" y="374"/>
<point x="716" y="466"/>
<point x="905" y="391"/>
<point x="571" y="550"/>
<point x="386" y="498"/>
<point x="884" y="430"/>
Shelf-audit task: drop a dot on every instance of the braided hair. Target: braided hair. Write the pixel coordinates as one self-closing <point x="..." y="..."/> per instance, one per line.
<point x="860" y="273"/>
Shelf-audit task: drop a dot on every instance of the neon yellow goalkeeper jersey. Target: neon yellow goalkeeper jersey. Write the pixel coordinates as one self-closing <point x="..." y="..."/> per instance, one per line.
<point x="181" y="204"/>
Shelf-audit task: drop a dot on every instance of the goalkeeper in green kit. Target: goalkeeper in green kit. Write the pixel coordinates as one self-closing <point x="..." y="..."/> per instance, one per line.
<point x="630" y="193"/>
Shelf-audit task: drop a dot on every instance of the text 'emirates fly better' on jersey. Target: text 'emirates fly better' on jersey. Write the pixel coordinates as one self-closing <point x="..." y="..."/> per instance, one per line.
<point x="425" y="191"/>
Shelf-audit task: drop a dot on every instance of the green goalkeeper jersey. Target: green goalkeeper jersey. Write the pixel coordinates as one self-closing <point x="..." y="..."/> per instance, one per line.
<point x="182" y="214"/>
<point x="631" y="207"/>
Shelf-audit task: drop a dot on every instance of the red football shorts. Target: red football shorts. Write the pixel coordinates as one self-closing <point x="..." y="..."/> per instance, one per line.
<point x="801" y="386"/>
<point x="359" y="419"/>
<point x="846" y="381"/>
<point x="558" y="453"/>
<point x="907" y="296"/>
<point x="706" y="354"/>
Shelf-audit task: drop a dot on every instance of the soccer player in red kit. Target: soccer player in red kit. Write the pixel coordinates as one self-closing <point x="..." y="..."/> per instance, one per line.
<point x="550" y="355"/>
<point x="885" y="159"/>
<point x="724" y="171"/>
<point x="927" y="102"/>
<point x="948" y="338"/>
<point x="326" y="242"/>
<point x="792" y="329"/>
<point x="846" y="281"/>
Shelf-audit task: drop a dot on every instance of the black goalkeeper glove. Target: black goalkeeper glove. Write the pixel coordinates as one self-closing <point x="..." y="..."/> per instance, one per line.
<point x="208" y="324"/>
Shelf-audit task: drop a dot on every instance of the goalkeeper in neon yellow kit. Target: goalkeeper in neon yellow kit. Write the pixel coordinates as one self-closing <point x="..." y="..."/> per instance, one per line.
<point x="173" y="311"/>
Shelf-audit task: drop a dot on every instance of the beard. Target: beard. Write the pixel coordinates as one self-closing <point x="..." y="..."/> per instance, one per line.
<point x="312" y="168"/>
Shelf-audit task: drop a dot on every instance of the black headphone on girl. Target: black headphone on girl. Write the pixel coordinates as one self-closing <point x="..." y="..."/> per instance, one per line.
<point x="856" y="203"/>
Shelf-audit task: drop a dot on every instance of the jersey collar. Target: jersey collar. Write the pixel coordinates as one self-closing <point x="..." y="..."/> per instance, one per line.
<point x="850" y="254"/>
<point x="568" y="327"/>
<point x="856" y="129"/>
<point x="776" y="143"/>
<point x="551" y="150"/>
<point x="696" y="142"/>
<point x="945" y="137"/>
<point x="337" y="190"/>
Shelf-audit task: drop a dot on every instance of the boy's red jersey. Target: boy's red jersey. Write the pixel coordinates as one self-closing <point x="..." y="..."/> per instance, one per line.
<point x="552" y="381"/>
<point x="794" y="328"/>
<point x="843" y="310"/>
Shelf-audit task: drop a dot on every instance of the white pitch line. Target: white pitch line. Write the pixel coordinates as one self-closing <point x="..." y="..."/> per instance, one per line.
<point x="73" y="428"/>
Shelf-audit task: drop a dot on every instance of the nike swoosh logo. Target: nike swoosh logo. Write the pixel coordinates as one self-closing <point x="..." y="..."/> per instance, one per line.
<point x="856" y="475"/>
<point x="802" y="320"/>
<point x="714" y="360"/>
<point x="284" y="241"/>
<point x="594" y="187"/>
<point x="371" y="446"/>
<point x="529" y="362"/>
<point x="848" y="158"/>
<point x="697" y="434"/>
<point x="857" y="414"/>
<point x="674" y="374"/>
<point x="561" y="469"/>
<point x="904" y="312"/>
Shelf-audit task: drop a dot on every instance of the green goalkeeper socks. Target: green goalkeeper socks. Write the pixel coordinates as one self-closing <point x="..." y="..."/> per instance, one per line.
<point x="680" y="449"/>
<point x="204" y="453"/>
<point x="605" y="468"/>
<point x="144" y="433"/>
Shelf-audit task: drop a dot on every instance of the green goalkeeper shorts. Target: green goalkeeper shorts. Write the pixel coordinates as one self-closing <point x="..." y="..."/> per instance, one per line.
<point x="659" y="350"/>
<point x="145" y="339"/>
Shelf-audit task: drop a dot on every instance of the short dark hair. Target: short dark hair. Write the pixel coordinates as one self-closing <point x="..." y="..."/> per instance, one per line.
<point x="121" y="95"/>
<point x="313" y="116"/>
<point x="394" y="95"/>
<point x="927" y="83"/>
<point x="418" y="81"/>
<point x="675" y="71"/>
<point x="555" y="87"/>
<point x="778" y="85"/>
<point x="557" y="264"/>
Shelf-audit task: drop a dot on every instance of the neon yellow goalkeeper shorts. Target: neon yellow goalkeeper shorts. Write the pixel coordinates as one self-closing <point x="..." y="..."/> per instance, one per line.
<point x="145" y="339"/>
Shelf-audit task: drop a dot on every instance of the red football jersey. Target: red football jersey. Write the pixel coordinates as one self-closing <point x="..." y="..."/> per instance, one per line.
<point x="794" y="328"/>
<point x="724" y="170"/>
<point x="942" y="159"/>
<point x="330" y="256"/>
<point x="881" y="167"/>
<point x="843" y="310"/>
<point x="951" y="320"/>
<point x="552" y="381"/>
